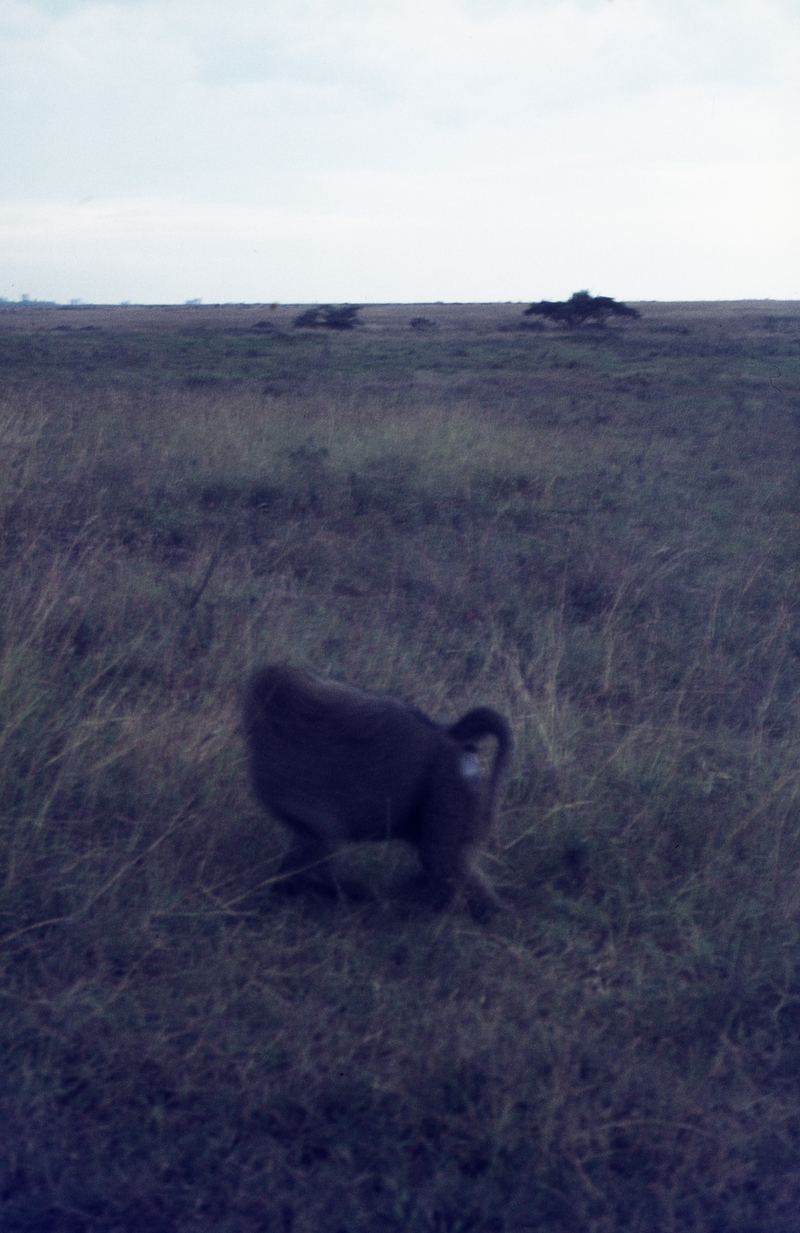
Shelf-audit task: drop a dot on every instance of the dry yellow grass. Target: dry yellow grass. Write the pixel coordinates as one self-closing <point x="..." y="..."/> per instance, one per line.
<point x="597" y="533"/>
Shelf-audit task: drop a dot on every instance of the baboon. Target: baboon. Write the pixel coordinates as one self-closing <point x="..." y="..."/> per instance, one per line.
<point x="336" y="764"/>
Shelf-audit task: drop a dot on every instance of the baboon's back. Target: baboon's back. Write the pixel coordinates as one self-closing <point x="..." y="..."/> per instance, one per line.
<point x="334" y="758"/>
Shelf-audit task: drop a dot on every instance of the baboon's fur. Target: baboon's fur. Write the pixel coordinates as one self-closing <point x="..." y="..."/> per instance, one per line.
<point x="337" y="764"/>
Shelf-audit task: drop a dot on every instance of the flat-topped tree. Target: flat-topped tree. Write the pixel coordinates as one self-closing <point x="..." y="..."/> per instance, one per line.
<point x="329" y="317"/>
<point x="581" y="307"/>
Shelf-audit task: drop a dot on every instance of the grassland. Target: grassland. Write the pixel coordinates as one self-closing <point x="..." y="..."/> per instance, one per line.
<point x="597" y="532"/>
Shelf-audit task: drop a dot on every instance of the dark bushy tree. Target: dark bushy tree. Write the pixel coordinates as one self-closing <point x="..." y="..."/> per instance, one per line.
<point x="329" y="317"/>
<point x="580" y="307"/>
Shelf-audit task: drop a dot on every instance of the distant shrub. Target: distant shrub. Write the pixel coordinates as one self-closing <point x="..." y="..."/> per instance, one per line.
<point x="328" y="317"/>
<point x="423" y="323"/>
<point x="581" y="307"/>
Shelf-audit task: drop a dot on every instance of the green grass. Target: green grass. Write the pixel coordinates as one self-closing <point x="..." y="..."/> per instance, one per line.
<point x="596" y="532"/>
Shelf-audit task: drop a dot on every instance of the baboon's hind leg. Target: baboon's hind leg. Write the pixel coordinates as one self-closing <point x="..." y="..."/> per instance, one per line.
<point x="452" y="870"/>
<point x="482" y="898"/>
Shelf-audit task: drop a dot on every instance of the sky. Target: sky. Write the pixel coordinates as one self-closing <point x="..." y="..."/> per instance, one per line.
<point x="372" y="151"/>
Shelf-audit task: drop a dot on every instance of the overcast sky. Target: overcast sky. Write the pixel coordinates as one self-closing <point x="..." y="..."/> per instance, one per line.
<point x="399" y="150"/>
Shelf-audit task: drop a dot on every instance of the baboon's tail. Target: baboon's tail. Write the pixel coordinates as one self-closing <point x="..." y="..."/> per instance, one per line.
<point x="483" y="721"/>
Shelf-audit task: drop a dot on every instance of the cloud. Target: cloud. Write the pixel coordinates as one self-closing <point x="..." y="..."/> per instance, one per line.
<point x="428" y="121"/>
<point x="651" y="233"/>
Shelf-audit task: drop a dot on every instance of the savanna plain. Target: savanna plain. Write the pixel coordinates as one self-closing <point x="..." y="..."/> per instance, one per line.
<point x="597" y="532"/>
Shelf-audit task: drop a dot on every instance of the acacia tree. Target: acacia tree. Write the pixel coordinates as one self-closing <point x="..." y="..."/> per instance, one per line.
<point x="581" y="307"/>
<point x="329" y="317"/>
